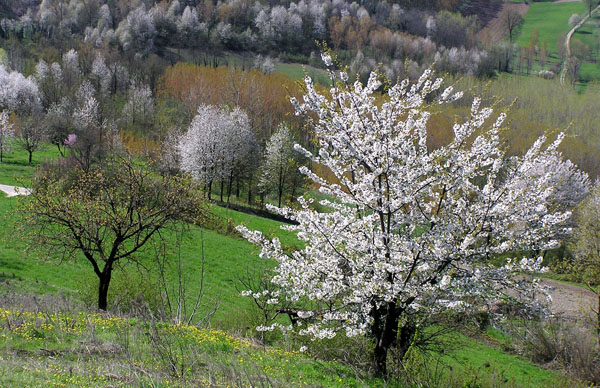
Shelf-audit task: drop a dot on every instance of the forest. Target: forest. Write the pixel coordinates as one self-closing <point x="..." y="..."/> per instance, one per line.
<point x="284" y="193"/>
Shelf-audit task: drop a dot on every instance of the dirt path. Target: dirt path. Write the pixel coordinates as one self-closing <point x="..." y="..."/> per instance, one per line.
<point x="571" y="302"/>
<point x="563" y="73"/>
<point x="12" y="191"/>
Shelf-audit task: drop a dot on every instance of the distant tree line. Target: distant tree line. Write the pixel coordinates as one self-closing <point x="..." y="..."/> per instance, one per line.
<point x="288" y="29"/>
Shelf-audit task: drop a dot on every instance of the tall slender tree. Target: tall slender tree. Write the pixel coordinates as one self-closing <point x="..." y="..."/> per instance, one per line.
<point x="107" y="215"/>
<point x="6" y="133"/>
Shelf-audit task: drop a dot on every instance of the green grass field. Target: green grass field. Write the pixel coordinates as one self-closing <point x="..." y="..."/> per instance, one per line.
<point x="473" y="357"/>
<point x="550" y="19"/>
<point x="91" y="350"/>
<point x="14" y="169"/>
<point x="226" y="258"/>
<point x="39" y="353"/>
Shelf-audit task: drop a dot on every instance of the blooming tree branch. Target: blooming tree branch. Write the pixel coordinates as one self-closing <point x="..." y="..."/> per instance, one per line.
<point x="409" y="228"/>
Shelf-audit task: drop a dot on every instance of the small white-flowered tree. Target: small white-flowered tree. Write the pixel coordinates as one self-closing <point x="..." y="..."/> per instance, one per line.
<point x="139" y="108"/>
<point x="6" y="133"/>
<point x="408" y="229"/>
<point x="280" y="161"/>
<point x="216" y="143"/>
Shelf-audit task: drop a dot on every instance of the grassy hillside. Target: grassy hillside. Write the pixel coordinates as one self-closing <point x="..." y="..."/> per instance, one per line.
<point x="551" y="20"/>
<point x="295" y="71"/>
<point x="79" y="349"/>
<point x="41" y="275"/>
<point x="48" y="341"/>
<point x="222" y="254"/>
<point x="14" y="169"/>
<point x="62" y="347"/>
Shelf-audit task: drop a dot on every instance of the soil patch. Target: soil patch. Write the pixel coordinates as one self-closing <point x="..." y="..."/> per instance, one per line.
<point x="571" y="302"/>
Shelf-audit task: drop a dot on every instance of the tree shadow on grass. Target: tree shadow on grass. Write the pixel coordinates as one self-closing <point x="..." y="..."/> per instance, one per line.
<point x="9" y="265"/>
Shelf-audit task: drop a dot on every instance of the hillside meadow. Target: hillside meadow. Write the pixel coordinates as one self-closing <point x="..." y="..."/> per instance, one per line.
<point x="50" y="338"/>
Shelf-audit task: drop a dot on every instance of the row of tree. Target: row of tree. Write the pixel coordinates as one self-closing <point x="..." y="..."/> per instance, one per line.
<point x="72" y="105"/>
<point x="85" y="111"/>
<point x="251" y="26"/>
<point x="220" y="146"/>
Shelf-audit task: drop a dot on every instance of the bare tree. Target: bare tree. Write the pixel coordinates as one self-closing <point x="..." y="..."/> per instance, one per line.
<point x="108" y="214"/>
<point x="573" y="65"/>
<point x="511" y="22"/>
<point x="30" y="136"/>
<point x="590" y="4"/>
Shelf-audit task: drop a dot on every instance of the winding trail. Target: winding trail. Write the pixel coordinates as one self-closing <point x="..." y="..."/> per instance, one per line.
<point x="563" y="72"/>
<point x="571" y="302"/>
<point x="13" y="191"/>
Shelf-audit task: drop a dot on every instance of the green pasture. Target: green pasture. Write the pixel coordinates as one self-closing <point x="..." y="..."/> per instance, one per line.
<point x="227" y="258"/>
<point x="15" y="170"/>
<point x="550" y="19"/>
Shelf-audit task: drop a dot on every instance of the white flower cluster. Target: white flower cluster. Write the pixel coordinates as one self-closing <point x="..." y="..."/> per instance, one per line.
<point x="216" y="142"/>
<point x="409" y="227"/>
<point x="18" y="93"/>
<point x="6" y="132"/>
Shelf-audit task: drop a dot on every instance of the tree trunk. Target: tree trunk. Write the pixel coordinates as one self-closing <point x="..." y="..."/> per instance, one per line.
<point x="250" y="190"/>
<point x="222" y="184"/>
<point x="380" y="361"/>
<point x="385" y="330"/>
<point x="30" y="157"/>
<point x="103" y="288"/>
<point x="279" y="198"/>
<point x="293" y="193"/>
<point x="229" y="188"/>
<point x="280" y="186"/>
<point x="407" y="333"/>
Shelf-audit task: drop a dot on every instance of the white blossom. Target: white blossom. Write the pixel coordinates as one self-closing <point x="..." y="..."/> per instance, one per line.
<point x="86" y="116"/>
<point x="104" y="18"/>
<point x="137" y="31"/>
<point x="139" y="108"/>
<point x="17" y="93"/>
<point x="278" y="161"/>
<point x="6" y="133"/>
<point x="70" y="64"/>
<point x="41" y="70"/>
<point x="215" y="142"/>
<point x="101" y="73"/>
<point x="189" y="25"/>
<point x="410" y="228"/>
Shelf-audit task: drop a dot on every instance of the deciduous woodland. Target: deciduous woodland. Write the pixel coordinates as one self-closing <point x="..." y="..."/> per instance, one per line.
<point x="251" y="193"/>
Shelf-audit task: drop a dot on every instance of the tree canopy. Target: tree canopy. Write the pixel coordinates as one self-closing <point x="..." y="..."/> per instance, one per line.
<point x="106" y="214"/>
<point x="409" y="229"/>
